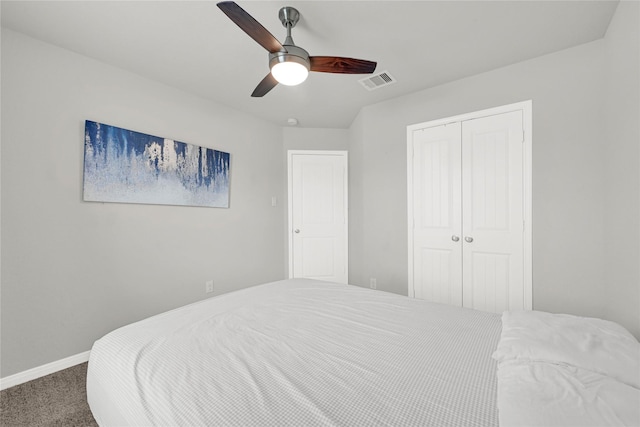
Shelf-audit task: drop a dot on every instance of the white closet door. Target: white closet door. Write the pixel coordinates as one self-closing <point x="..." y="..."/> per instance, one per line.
<point x="493" y="213"/>
<point x="318" y="234"/>
<point x="469" y="209"/>
<point x="437" y="256"/>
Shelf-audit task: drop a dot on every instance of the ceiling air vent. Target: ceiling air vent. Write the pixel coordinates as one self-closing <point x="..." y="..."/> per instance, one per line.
<point x="377" y="81"/>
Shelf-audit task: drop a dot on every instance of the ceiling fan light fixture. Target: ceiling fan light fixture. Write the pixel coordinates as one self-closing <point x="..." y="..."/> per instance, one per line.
<point x="290" y="70"/>
<point x="289" y="64"/>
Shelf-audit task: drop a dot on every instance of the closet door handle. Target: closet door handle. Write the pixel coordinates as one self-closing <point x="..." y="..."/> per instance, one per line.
<point x="468" y="239"/>
<point x="455" y="238"/>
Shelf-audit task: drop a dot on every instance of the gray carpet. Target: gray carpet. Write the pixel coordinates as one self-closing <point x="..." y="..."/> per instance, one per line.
<point x="59" y="399"/>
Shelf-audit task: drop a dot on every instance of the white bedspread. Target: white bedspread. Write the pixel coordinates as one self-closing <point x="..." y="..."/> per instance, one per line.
<point x="300" y="353"/>
<point x="563" y="370"/>
<point x="546" y="394"/>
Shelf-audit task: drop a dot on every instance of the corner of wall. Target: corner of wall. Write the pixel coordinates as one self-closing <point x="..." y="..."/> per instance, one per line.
<point x="622" y="166"/>
<point x="356" y="191"/>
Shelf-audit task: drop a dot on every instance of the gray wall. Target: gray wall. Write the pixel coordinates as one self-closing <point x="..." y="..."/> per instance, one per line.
<point x="569" y="191"/>
<point x="622" y="176"/>
<point x="297" y="138"/>
<point x="72" y="271"/>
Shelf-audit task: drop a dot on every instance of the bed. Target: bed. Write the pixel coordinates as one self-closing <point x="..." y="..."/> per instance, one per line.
<point x="302" y="352"/>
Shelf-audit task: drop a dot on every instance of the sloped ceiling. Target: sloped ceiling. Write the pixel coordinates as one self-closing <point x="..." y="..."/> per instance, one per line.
<point x="193" y="46"/>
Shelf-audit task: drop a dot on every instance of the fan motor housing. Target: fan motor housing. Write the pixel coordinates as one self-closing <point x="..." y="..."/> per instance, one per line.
<point x="293" y="54"/>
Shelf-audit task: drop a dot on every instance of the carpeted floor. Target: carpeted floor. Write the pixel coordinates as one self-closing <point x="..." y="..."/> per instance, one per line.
<point x="59" y="399"/>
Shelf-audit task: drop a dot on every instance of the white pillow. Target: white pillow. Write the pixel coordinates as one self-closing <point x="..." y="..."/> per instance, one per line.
<point x="597" y="345"/>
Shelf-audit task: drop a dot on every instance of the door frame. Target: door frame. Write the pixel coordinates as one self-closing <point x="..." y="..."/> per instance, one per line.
<point x="290" y="154"/>
<point x="526" y="107"/>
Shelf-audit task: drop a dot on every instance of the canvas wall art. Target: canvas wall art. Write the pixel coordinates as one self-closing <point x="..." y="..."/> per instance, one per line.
<point x="124" y="166"/>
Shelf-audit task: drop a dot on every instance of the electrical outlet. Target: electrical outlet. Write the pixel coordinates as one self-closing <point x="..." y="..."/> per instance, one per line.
<point x="208" y="286"/>
<point x="373" y="283"/>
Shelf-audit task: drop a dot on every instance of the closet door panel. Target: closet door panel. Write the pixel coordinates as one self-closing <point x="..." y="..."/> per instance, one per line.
<point x="437" y="258"/>
<point x="492" y="219"/>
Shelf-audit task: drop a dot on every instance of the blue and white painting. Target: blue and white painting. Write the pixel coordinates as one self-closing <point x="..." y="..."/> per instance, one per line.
<point x="130" y="167"/>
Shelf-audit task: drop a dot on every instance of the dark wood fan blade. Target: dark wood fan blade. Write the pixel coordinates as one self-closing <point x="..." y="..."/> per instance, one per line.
<point x="264" y="86"/>
<point x="336" y="64"/>
<point x="250" y="26"/>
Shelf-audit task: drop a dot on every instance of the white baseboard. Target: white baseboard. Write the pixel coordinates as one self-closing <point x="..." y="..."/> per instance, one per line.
<point x="41" y="371"/>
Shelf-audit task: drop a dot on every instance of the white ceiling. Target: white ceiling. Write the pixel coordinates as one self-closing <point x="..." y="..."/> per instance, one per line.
<point x="193" y="46"/>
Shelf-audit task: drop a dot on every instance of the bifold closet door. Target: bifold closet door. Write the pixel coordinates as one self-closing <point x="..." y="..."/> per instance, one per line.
<point x="437" y="250"/>
<point x="493" y="213"/>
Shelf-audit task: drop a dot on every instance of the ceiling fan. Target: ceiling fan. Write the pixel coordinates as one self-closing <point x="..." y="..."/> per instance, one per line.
<point x="289" y="64"/>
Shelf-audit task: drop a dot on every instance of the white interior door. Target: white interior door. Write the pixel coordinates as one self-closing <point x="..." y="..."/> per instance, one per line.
<point x="493" y="213"/>
<point x="469" y="206"/>
<point x="437" y="252"/>
<point x="318" y="217"/>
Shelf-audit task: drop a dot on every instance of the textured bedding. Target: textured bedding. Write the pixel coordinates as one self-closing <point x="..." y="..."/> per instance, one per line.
<point x="563" y="370"/>
<point x="550" y="394"/>
<point x="299" y="352"/>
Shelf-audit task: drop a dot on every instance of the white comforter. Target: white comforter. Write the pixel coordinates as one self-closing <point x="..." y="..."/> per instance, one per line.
<point x="561" y="370"/>
<point x="299" y="353"/>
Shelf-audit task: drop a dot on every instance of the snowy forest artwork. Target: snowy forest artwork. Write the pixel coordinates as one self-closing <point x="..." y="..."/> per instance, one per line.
<point x="131" y="167"/>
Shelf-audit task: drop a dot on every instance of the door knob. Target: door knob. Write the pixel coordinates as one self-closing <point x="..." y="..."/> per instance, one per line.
<point x="455" y="238"/>
<point x="296" y="230"/>
<point x="468" y="239"/>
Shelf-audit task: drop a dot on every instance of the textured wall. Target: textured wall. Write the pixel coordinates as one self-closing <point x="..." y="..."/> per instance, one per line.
<point x="622" y="167"/>
<point x="568" y="189"/>
<point x="72" y="271"/>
